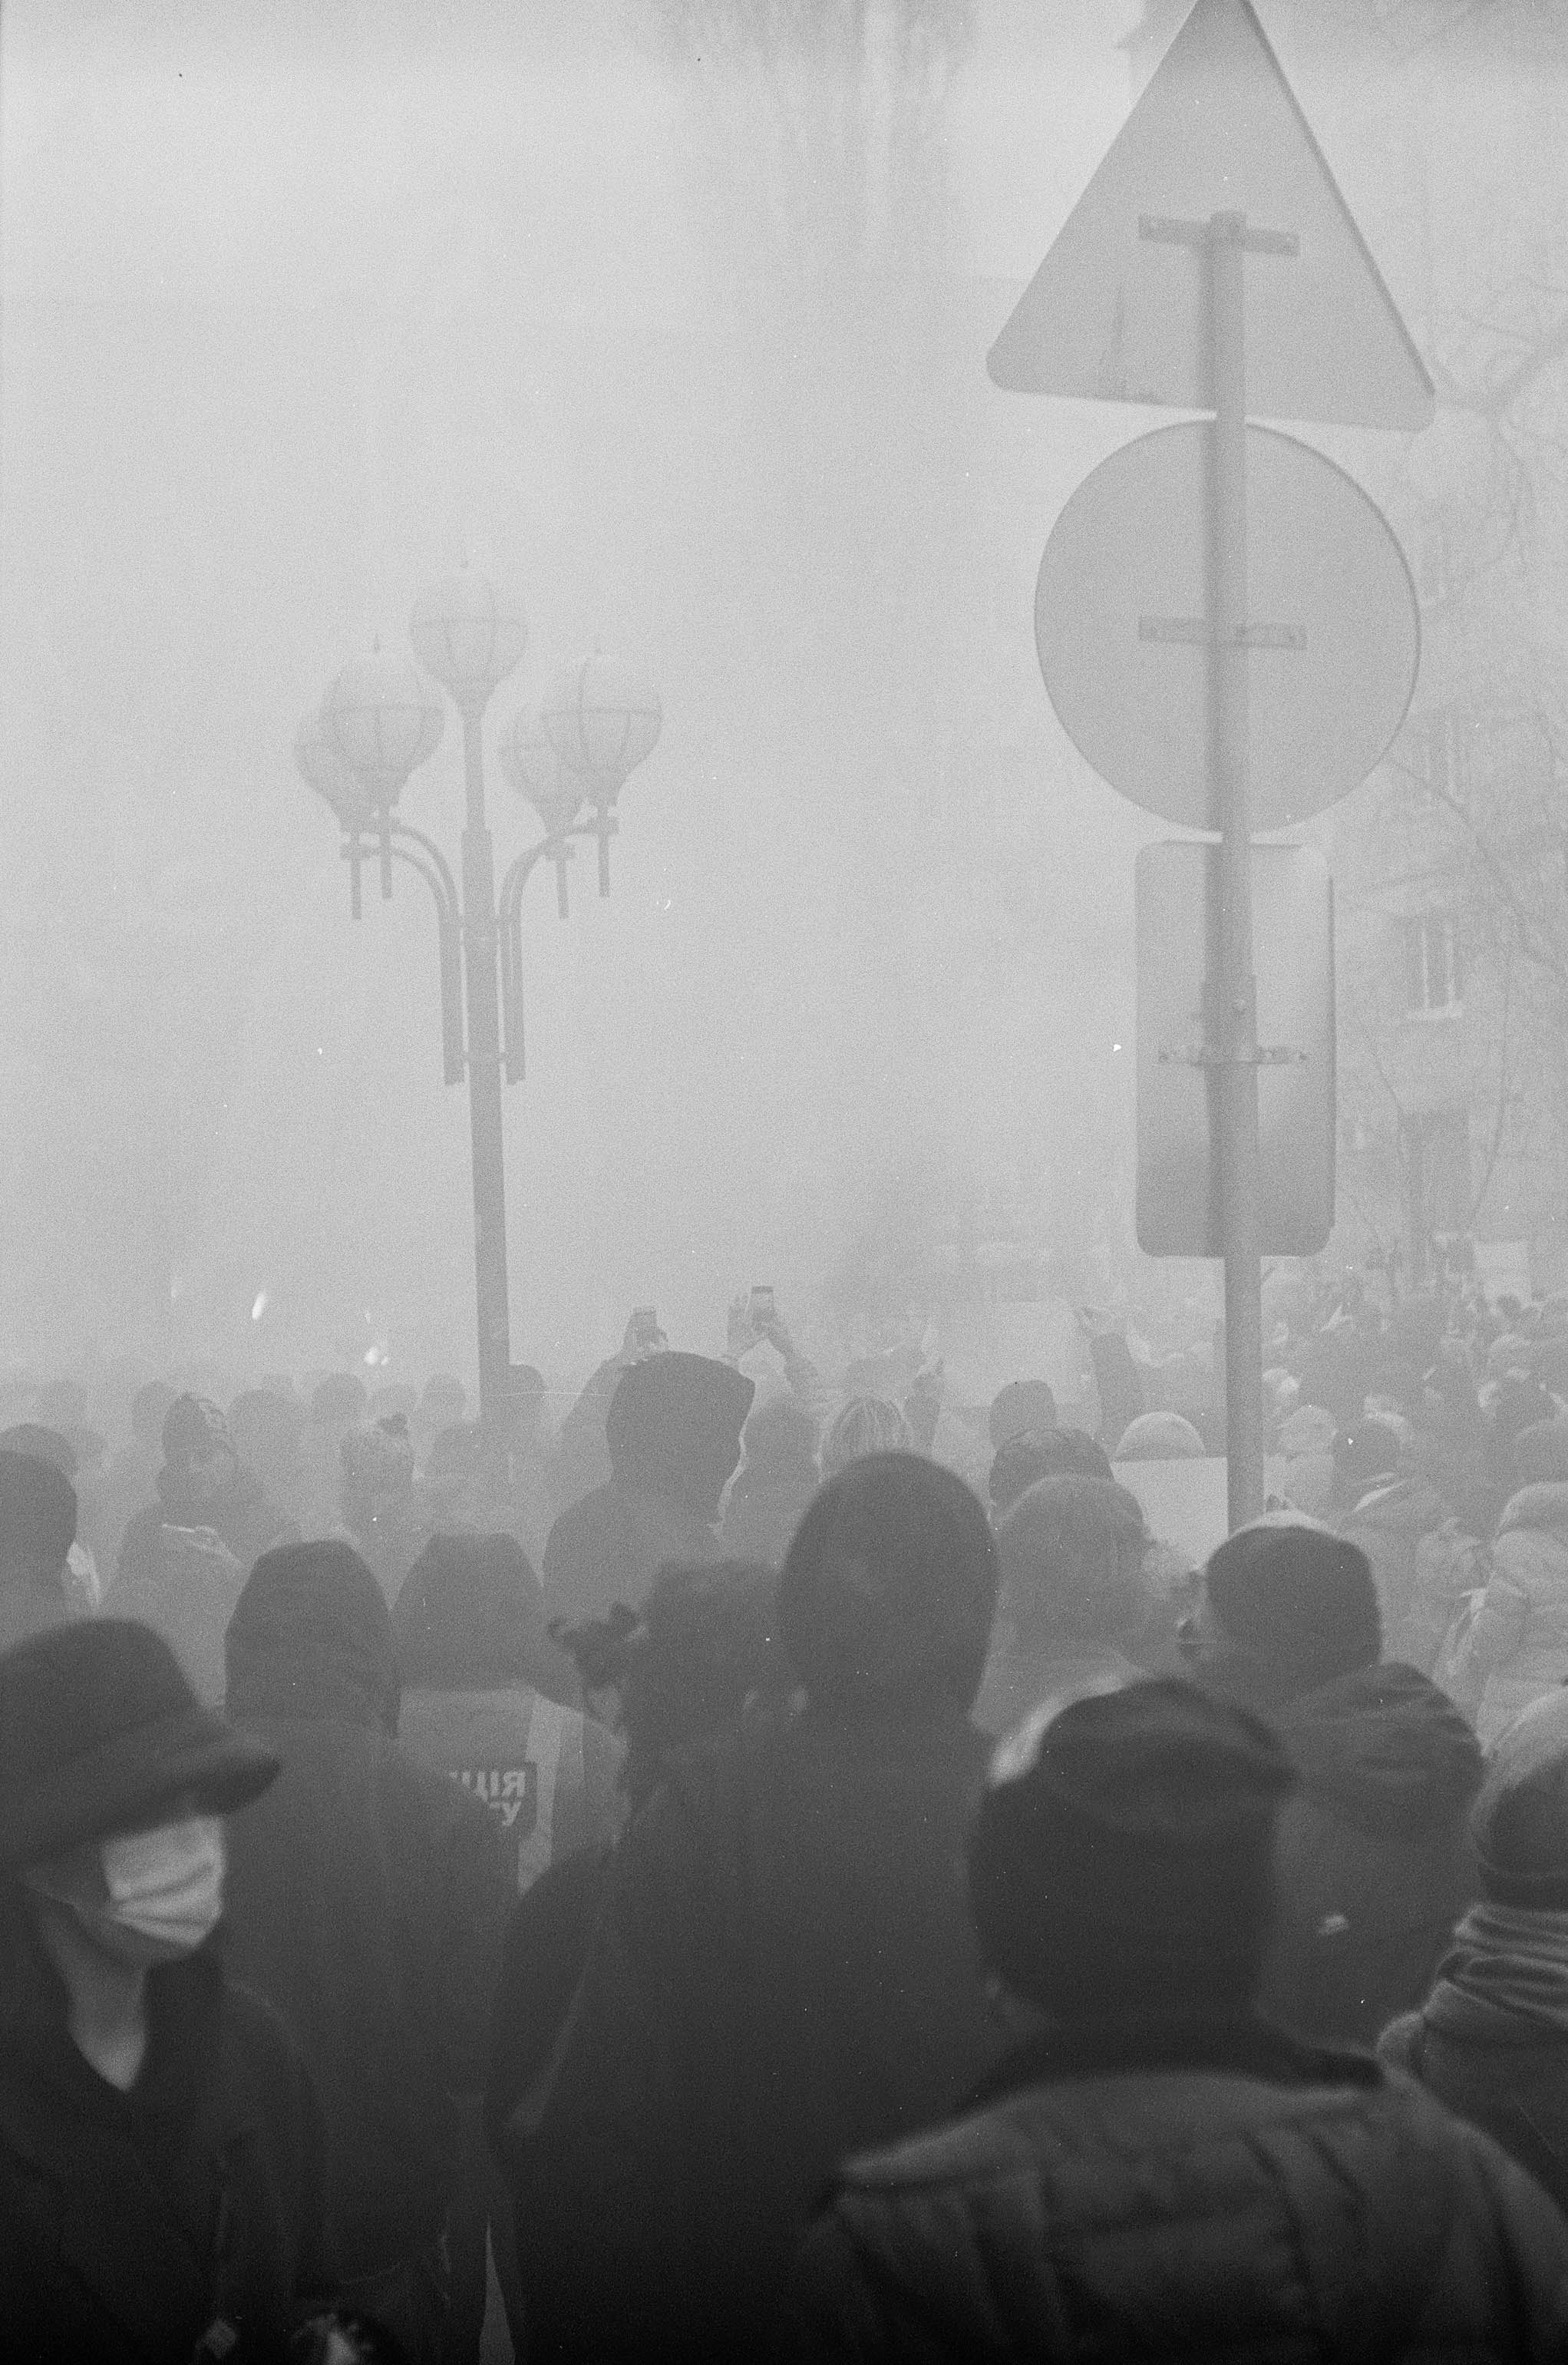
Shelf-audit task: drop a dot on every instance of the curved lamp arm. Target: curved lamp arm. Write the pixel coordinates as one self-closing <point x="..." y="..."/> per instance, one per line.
<point x="418" y="852"/>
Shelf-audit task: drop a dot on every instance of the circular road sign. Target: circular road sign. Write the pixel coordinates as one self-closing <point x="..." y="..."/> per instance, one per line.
<point x="1120" y="621"/>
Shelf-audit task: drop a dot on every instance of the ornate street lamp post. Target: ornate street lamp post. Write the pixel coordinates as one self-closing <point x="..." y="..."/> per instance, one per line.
<point x="378" y="722"/>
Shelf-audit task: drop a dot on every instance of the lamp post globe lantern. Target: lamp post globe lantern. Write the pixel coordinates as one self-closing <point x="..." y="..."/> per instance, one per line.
<point x="602" y="718"/>
<point x="470" y="633"/>
<point x="534" y="769"/>
<point x="383" y="720"/>
<point x="322" y="767"/>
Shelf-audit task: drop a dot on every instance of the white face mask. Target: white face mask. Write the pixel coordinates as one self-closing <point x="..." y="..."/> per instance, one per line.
<point x="166" y="1885"/>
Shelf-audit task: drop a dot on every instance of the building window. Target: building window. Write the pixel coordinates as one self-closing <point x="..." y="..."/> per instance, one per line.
<point x="1434" y="976"/>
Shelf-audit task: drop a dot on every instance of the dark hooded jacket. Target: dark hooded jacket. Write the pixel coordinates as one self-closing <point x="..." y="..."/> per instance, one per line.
<point x="242" y="1515"/>
<point x="366" y="1896"/>
<point x="784" y="1966"/>
<point x="1374" y="1865"/>
<point x="674" y="1436"/>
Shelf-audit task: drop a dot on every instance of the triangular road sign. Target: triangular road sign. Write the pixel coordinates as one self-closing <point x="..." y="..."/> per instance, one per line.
<point x="1120" y="317"/>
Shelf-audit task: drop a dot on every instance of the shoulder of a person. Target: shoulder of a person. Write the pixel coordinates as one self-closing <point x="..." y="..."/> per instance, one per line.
<point x="439" y="1807"/>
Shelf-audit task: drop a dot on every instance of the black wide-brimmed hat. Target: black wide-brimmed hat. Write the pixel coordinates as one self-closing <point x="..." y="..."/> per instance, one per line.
<point x="100" y="1732"/>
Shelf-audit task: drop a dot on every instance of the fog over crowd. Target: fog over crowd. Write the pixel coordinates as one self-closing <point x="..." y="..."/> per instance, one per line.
<point x="798" y="1749"/>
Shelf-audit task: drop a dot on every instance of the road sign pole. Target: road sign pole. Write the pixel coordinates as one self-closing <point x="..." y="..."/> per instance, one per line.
<point x="1233" y="991"/>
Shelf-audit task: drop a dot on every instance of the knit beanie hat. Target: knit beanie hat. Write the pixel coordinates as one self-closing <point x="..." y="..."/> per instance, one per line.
<point x="1297" y="1595"/>
<point x="101" y="1733"/>
<point x="1121" y="1863"/>
<point x="38" y="1514"/>
<point x="889" y="1589"/>
<point x="193" y="1428"/>
<point x="1519" y="1821"/>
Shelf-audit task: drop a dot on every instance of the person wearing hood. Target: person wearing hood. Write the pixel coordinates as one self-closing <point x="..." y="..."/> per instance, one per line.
<point x="84" y="1584"/>
<point x="674" y="1437"/>
<point x="1058" y="1453"/>
<point x="782" y="1967"/>
<point x="1073" y="1601"/>
<point x="1374" y="1862"/>
<point x="367" y="1899"/>
<point x="581" y="1460"/>
<point x="185" y="1559"/>
<point x="1154" y="2171"/>
<point x="1491" y="2040"/>
<point x="1517" y="1647"/>
<point x="38" y="1527"/>
<point x="774" y="1483"/>
<point x="483" y="1687"/>
<point x="161" y="2185"/>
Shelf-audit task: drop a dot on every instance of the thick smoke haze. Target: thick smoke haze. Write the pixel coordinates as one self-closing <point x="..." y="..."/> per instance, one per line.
<point x="689" y="343"/>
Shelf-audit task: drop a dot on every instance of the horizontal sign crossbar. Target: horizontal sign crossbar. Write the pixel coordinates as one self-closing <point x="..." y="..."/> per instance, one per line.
<point x="1198" y="631"/>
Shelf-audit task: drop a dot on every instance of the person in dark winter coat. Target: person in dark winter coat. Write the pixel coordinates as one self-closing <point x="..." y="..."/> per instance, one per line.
<point x="674" y="1438"/>
<point x="783" y="1966"/>
<point x="1155" y="2171"/>
<point x="775" y="1483"/>
<point x="38" y="1527"/>
<point x="1491" y="2040"/>
<point x="367" y="1898"/>
<point x="1374" y="1859"/>
<point x="685" y="1670"/>
<point x="185" y="1559"/>
<point x="159" y="2141"/>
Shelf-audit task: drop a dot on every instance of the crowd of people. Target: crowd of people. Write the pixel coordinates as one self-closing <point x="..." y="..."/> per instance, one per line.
<point x="764" y="1869"/>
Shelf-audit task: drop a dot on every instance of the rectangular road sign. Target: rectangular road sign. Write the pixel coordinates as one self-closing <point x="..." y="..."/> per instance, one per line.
<point x="1177" y="897"/>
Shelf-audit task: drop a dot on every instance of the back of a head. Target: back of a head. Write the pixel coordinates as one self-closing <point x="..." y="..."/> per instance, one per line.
<point x="41" y="1444"/>
<point x="1519" y="1822"/>
<point x="1022" y="1408"/>
<point x="471" y="1612"/>
<point x="339" y="1401"/>
<point x="673" y="1425"/>
<point x="1071" y="1551"/>
<point x="710" y="1642"/>
<point x="311" y="1636"/>
<point x="1058" y="1453"/>
<point x="684" y="1664"/>
<point x="1298" y="1597"/>
<point x="889" y="1589"/>
<point x="37" y="1518"/>
<point x="863" y="1426"/>
<point x="1541" y="1453"/>
<point x="1120" y="1867"/>
<point x="1158" y="1437"/>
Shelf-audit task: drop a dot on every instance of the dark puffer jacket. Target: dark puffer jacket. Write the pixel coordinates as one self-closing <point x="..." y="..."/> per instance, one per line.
<point x="1253" y="2201"/>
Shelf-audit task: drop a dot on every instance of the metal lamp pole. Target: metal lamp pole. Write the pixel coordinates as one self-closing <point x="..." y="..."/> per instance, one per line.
<point x="377" y="723"/>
